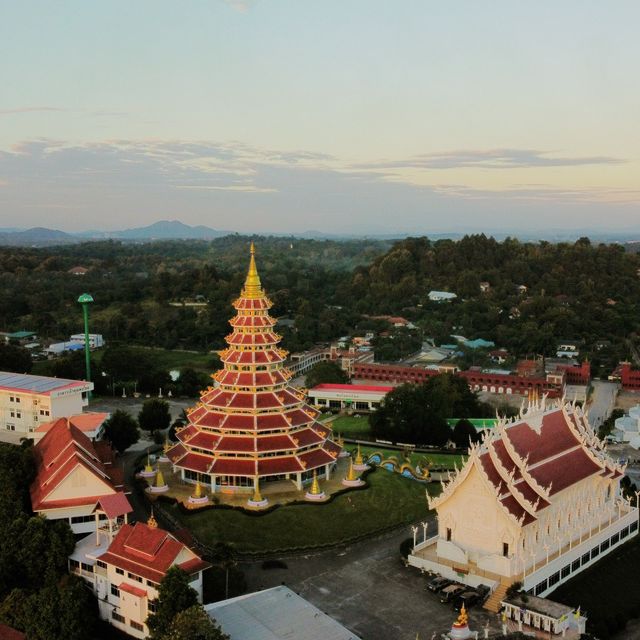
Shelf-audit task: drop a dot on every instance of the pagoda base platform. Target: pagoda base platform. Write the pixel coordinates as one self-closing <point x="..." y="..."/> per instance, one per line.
<point x="163" y="489"/>
<point x="315" y="497"/>
<point x="198" y="501"/>
<point x="361" y="467"/>
<point x="461" y="632"/>
<point x="344" y="454"/>
<point x="258" y="504"/>
<point x="163" y="459"/>
<point x="147" y="474"/>
<point x="353" y="483"/>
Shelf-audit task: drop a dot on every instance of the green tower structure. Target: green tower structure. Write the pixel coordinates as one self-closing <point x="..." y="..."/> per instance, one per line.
<point x="85" y="300"/>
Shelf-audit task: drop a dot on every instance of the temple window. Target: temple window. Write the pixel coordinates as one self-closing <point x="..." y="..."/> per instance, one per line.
<point x="448" y="534"/>
<point x="505" y="549"/>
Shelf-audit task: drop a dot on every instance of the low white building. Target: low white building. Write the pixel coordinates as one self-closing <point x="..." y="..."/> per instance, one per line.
<point x="95" y="340"/>
<point x="441" y="296"/>
<point x="359" y="397"/>
<point x="627" y="428"/>
<point x="124" y="565"/>
<point x="26" y="400"/>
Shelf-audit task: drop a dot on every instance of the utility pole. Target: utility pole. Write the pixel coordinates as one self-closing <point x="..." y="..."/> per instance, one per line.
<point x="85" y="300"/>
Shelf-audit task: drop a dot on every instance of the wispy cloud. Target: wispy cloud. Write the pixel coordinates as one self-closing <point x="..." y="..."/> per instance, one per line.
<point x="233" y="185"/>
<point x="489" y="159"/>
<point x="17" y="110"/>
<point x="242" y="6"/>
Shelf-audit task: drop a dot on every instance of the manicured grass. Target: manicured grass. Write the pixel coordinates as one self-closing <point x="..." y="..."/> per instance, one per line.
<point x="389" y="500"/>
<point x="352" y="427"/>
<point x="608" y="591"/>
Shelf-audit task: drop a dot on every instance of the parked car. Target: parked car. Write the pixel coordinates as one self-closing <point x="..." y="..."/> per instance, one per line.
<point x="468" y="598"/>
<point x="438" y="583"/>
<point x="450" y="592"/>
<point x="483" y="591"/>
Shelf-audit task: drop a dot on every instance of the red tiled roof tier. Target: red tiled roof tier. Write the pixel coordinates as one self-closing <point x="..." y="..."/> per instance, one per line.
<point x="275" y="443"/>
<point x="554" y="437"/>
<point x="234" y="444"/>
<point x="277" y="466"/>
<point x="134" y="591"/>
<point x="114" y="505"/>
<point x="195" y="462"/>
<point x="315" y="458"/>
<point x="565" y="470"/>
<point x="234" y="467"/>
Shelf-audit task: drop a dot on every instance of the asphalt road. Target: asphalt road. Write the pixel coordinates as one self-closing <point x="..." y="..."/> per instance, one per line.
<point x="603" y="401"/>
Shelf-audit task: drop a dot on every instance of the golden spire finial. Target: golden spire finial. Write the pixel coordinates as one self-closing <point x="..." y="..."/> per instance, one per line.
<point x="252" y="285"/>
<point x="152" y="523"/>
<point x="351" y="476"/>
<point x="315" y="485"/>
<point x="167" y="444"/>
<point x="198" y="492"/>
<point x="148" y="468"/>
<point x="160" y="479"/>
<point x="359" y="460"/>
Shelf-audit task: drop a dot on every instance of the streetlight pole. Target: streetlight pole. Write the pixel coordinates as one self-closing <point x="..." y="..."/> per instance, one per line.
<point x="85" y="300"/>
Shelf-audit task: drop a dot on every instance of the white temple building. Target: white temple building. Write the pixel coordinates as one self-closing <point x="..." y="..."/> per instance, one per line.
<point x="627" y="428"/>
<point x="537" y="501"/>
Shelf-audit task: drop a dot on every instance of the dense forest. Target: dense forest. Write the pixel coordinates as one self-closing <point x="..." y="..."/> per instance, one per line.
<point x="538" y="293"/>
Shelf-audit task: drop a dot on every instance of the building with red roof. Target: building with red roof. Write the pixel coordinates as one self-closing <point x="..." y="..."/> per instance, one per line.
<point x="72" y="474"/>
<point x="537" y="501"/>
<point x="124" y="564"/>
<point x="26" y="400"/>
<point x="252" y="425"/>
<point x="91" y="423"/>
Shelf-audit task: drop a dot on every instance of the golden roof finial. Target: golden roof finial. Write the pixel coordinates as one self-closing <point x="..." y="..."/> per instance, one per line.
<point x="315" y="485"/>
<point x="160" y="479"/>
<point x="252" y="285"/>
<point x="152" y="523"/>
<point x="148" y="468"/>
<point x="359" y="460"/>
<point x="351" y="476"/>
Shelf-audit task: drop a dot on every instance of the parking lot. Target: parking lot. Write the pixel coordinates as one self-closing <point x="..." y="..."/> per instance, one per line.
<point x="369" y="590"/>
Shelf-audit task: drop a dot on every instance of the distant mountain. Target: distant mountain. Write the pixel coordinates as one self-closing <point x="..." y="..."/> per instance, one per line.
<point x="39" y="236"/>
<point x="167" y="230"/>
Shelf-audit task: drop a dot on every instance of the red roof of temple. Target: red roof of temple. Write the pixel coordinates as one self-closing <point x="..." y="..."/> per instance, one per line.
<point x="148" y="552"/>
<point x="62" y="449"/>
<point x="355" y="388"/>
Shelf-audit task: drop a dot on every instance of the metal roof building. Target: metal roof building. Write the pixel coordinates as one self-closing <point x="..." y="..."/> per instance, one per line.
<point x="275" y="614"/>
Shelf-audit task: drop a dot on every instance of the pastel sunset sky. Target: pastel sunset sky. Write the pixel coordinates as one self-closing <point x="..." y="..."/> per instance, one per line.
<point x="369" y="116"/>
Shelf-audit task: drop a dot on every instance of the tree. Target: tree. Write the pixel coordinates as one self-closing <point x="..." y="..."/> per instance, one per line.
<point x="325" y="372"/>
<point x="174" y="595"/>
<point x="121" y="430"/>
<point x="14" y="358"/>
<point x="194" y="624"/>
<point x="190" y="382"/>
<point x="464" y="432"/>
<point x="154" y="415"/>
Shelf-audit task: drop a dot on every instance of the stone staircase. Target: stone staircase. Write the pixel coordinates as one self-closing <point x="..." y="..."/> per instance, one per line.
<point x="493" y="601"/>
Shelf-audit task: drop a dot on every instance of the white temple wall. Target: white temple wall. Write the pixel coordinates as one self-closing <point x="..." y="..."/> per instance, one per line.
<point x="478" y="526"/>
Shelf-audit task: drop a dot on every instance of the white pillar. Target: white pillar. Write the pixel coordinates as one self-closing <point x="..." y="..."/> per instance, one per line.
<point x="425" y="525"/>
<point x="299" y="481"/>
<point x="213" y="483"/>
<point x="327" y="471"/>
<point x="414" y="530"/>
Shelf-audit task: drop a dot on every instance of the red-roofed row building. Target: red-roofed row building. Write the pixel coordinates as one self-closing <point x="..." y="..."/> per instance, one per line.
<point x="252" y="426"/>
<point x="72" y="474"/>
<point x="537" y="501"/>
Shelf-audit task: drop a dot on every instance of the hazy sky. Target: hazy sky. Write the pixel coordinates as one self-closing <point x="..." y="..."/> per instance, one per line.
<point x="337" y="115"/>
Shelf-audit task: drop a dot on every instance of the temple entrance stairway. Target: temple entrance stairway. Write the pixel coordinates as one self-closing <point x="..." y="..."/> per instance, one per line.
<point x="497" y="596"/>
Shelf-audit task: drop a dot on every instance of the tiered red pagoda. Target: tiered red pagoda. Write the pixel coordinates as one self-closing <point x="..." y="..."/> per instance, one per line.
<point x="252" y="426"/>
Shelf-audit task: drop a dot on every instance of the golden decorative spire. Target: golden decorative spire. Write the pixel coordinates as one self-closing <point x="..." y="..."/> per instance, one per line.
<point x="160" y="479"/>
<point x="359" y="459"/>
<point x="462" y="618"/>
<point x="167" y="445"/>
<point x="252" y="285"/>
<point x="315" y="485"/>
<point x="351" y="476"/>
<point x="152" y="523"/>
<point x="256" y="491"/>
<point x="198" y="492"/>
<point x="148" y="468"/>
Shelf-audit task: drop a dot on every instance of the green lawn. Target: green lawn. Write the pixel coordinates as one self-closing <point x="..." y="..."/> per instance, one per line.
<point x="352" y="427"/>
<point x="389" y="500"/>
<point x="608" y="591"/>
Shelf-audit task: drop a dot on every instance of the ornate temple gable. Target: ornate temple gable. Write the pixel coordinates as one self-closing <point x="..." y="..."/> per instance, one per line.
<point x="460" y="475"/>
